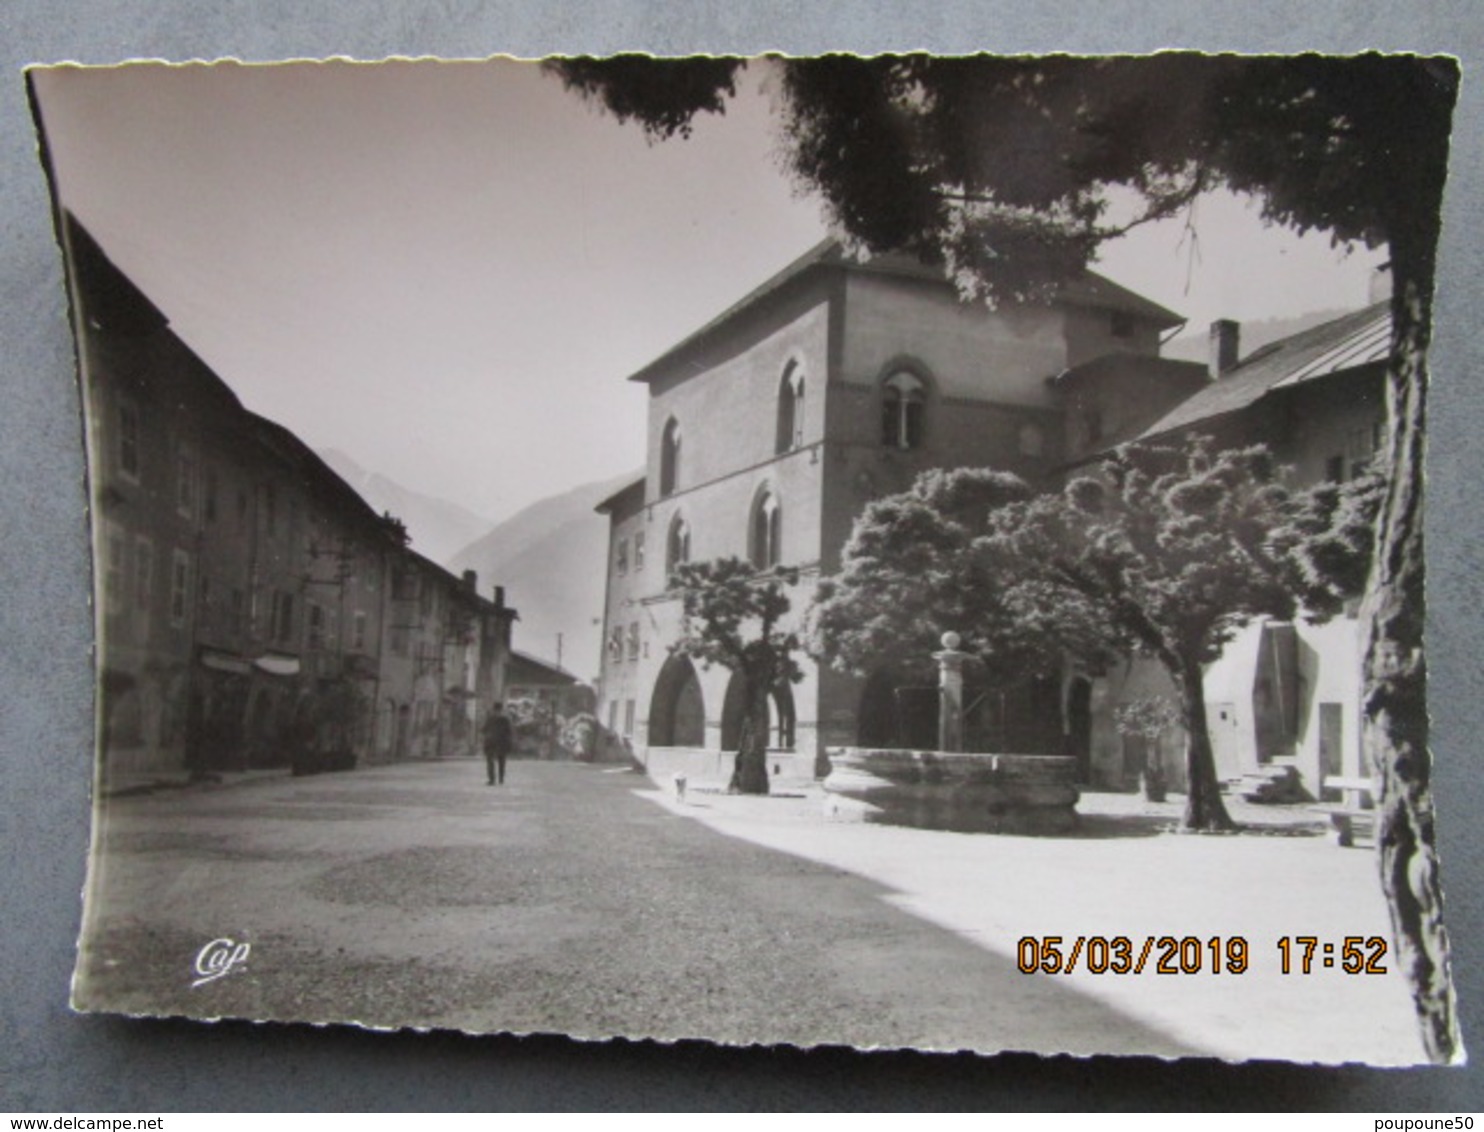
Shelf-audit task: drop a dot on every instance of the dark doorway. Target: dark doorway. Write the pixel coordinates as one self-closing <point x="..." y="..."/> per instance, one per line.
<point x="677" y="714"/>
<point x="1079" y="726"/>
<point x="898" y="711"/>
<point x="781" y="716"/>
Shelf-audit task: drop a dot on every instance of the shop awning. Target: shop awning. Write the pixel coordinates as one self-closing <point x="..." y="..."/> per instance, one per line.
<point x="276" y="664"/>
<point x="225" y="662"/>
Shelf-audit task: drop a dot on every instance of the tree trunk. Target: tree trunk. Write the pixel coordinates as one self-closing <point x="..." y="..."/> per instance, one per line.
<point x="1204" y="809"/>
<point x="750" y="771"/>
<point x="1394" y="728"/>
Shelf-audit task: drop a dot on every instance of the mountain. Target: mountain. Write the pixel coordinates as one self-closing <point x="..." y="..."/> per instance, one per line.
<point x="439" y="529"/>
<point x="552" y="560"/>
<point x="1194" y="345"/>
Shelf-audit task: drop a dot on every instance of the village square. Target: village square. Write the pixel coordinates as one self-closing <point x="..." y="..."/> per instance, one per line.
<point x="974" y="665"/>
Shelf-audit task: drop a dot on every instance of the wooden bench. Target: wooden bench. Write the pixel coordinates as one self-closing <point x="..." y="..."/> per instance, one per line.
<point x="1352" y="816"/>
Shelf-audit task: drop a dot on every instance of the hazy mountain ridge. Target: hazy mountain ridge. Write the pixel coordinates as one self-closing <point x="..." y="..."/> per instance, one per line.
<point x="552" y="558"/>
<point x="439" y="528"/>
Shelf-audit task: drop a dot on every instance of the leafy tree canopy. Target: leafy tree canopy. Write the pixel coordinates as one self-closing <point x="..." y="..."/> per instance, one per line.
<point x="1001" y="166"/>
<point x="908" y="575"/>
<point x="733" y="613"/>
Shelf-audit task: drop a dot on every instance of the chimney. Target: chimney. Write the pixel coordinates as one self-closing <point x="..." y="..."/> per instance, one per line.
<point x="471" y="581"/>
<point x="1226" y="338"/>
<point x="499" y="597"/>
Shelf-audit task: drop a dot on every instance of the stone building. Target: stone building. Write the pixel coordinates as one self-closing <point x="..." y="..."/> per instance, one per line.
<point x="1284" y="699"/>
<point x="249" y="603"/>
<point x="835" y="382"/>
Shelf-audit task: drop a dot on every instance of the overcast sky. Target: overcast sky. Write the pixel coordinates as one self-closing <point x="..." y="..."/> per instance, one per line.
<point x="447" y="270"/>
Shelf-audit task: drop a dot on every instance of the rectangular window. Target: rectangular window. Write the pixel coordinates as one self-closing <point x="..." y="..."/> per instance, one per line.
<point x="239" y="612"/>
<point x="1334" y="469"/>
<point x="634" y="641"/>
<point x="316" y="625"/>
<point x="1121" y="324"/>
<point x="399" y="640"/>
<point x="1361" y="447"/>
<point x="283" y="617"/>
<point x="185" y="484"/>
<point x="358" y="637"/>
<point x="208" y="495"/>
<point x="621" y="556"/>
<point x="114" y="552"/>
<point x="129" y="440"/>
<point x="639" y="550"/>
<point x="628" y="717"/>
<point x="270" y="511"/>
<point x="404" y="586"/>
<point x="612" y="715"/>
<point x="144" y="572"/>
<point x="180" y="587"/>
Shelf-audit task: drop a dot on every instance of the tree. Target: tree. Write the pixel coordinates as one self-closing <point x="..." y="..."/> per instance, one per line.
<point x="908" y="574"/>
<point x="732" y="613"/>
<point x="1000" y="168"/>
<point x="1176" y="548"/>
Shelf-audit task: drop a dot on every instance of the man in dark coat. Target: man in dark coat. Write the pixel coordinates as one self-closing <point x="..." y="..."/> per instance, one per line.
<point x="499" y="738"/>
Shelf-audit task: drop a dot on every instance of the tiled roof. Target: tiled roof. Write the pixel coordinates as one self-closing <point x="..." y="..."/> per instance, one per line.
<point x="1354" y="340"/>
<point x="618" y="497"/>
<point x="1088" y="290"/>
<point x="527" y="669"/>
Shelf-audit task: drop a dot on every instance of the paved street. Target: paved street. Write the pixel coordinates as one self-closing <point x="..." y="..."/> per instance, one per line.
<point x="564" y="901"/>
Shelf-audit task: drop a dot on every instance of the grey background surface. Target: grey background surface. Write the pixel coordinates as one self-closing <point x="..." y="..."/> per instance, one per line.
<point x="52" y="1061"/>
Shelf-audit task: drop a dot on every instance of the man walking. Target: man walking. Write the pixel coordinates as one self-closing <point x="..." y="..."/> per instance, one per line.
<point x="499" y="738"/>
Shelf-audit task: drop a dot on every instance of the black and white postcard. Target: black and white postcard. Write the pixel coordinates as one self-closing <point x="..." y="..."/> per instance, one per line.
<point x="898" y="552"/>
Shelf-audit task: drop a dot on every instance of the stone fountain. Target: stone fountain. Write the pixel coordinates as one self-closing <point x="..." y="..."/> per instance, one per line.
<point x="949" y="788"/>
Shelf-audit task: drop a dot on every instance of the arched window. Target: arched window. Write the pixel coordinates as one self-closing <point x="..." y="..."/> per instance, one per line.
<point x="903" y="399"/>
<point x="677" y="546"/>
<point x="1032" y="440"/>
<point x="790" y="409"/>
<point x="763" y="538"/>
<point x="670" y="457"/>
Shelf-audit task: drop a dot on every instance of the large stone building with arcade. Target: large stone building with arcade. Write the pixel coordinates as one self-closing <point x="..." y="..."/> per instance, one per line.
<point x="836" y="382"/>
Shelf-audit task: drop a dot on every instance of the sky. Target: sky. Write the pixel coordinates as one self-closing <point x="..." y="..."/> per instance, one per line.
<point x="447" y="270"/>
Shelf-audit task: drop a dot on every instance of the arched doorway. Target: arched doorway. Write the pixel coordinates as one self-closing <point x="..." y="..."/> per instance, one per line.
<point x="677" y="712"/>
<point x="781" y="717"/>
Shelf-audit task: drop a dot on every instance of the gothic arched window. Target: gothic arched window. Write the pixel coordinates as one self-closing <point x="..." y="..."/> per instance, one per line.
<point x="790" y="409"/>
<point x="677" y="546"/>
<point x="765" y="531"/>
<point x="670" y="457"/>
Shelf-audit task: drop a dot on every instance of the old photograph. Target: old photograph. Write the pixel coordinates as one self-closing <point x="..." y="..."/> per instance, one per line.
<point x="897" y="552"/>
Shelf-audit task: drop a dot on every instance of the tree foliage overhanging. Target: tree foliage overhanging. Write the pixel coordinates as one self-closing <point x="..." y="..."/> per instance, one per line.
<point x="1000" y="168"/>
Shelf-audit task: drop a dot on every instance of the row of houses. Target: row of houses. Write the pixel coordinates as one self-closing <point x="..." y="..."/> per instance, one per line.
<point x="253" y="610"/>
<point x="839" y="380"/>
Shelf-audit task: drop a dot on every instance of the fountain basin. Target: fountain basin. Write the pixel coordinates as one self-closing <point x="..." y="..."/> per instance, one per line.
<point x="967" y="793"/>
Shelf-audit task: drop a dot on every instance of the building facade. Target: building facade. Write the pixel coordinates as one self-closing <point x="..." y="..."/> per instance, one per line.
<point x="770" y="428"/>
<point x="1284" y="700"/>
<point x="251" y="607"/>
